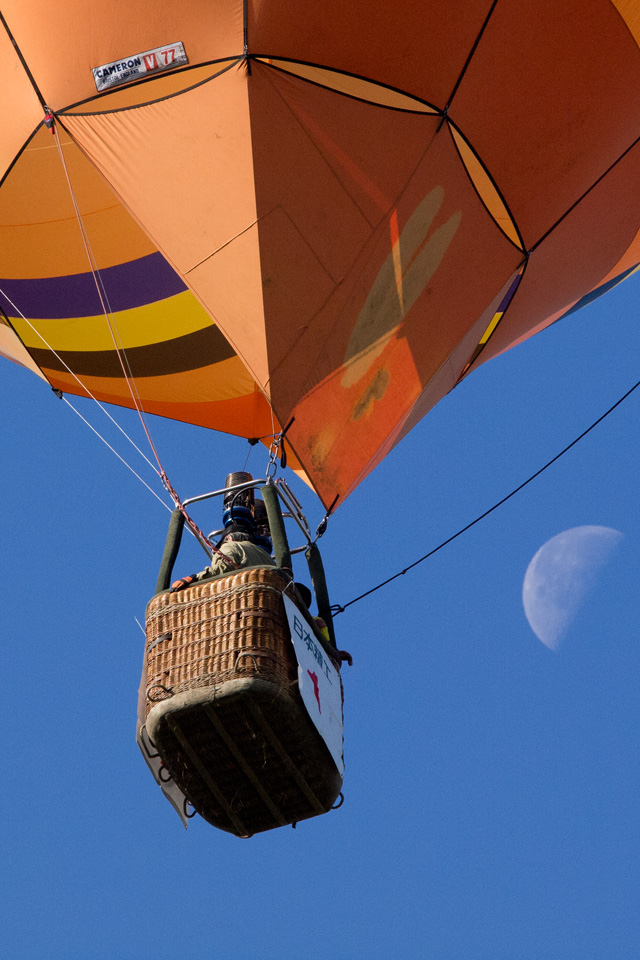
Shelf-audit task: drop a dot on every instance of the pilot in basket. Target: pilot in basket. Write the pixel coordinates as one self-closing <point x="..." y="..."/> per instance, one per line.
<point x="240" y="713"/>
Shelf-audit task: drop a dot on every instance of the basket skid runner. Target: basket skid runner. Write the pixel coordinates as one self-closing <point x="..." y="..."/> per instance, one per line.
<point x="241" y="702"/>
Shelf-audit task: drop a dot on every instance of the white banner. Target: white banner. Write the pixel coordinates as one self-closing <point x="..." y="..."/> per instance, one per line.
<point x="319" y="683"/>
<point x="139" y="65"/>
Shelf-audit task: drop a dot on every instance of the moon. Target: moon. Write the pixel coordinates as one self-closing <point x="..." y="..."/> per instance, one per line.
<point x="560" y="576"/>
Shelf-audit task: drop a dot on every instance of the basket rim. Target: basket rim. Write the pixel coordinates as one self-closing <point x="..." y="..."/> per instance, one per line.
<point x="283" y="572"/>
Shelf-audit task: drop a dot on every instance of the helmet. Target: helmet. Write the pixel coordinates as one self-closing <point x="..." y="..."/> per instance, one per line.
<point x="305" y="593"/>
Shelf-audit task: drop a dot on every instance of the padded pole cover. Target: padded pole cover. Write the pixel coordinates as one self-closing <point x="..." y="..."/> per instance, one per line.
<point x="171" y="547"/>
<point x="276" y="526"/>
<point x="318" y="579"/>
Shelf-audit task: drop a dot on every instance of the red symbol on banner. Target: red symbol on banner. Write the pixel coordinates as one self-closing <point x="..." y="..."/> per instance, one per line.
<point x="150" y="61"/>
<point x="316" y="689"/>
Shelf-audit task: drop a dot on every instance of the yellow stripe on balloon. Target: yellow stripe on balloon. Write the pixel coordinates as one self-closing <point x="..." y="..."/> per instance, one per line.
<point x="154" y="323"/>
<point x="497" y="317"/>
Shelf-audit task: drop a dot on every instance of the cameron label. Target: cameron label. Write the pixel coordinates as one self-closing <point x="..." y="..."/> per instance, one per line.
<point x="140" y="65"/>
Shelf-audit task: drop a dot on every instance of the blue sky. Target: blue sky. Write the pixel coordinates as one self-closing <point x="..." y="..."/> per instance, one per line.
<point x="491" y="789"/>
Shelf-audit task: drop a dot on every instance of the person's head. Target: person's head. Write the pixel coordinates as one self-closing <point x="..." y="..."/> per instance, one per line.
<point x="305" y="594"/>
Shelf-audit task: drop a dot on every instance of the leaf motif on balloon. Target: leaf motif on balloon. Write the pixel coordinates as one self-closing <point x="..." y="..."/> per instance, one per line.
<point x="411" y="264"/>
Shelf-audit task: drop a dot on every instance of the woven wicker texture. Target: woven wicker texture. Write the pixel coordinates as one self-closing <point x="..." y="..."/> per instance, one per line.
<point x="231" y="627"/>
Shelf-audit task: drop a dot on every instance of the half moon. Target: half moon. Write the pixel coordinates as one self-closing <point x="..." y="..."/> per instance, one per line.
<point x="560" y="576"/>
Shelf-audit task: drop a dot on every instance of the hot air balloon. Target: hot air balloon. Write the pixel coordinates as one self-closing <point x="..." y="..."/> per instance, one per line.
<point x="262" y="218"/>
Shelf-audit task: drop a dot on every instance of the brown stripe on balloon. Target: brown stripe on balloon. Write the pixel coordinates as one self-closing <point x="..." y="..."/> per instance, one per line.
<point x="199" y="349"/>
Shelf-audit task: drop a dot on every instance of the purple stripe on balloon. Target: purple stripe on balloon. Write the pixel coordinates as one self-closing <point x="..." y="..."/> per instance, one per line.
<point x="506" y="300"/>
<point x="128" y="285"/>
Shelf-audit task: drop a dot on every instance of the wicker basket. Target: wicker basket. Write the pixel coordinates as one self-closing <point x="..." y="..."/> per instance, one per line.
<point x="223" y="708"/>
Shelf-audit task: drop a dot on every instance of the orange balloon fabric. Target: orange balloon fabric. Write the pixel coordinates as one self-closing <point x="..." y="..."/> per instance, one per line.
<point x="325" y="215"/>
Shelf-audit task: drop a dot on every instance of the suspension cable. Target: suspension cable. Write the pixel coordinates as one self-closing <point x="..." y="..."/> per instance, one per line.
<point x="102" y="295"/>
<point x="193" y="527"/>
<point x="50" y="122"/>
<point x="83" y="387"/>
<point x="340" y="608"/>
<point x="122" y="460"/>
<point x="121" y="352"/>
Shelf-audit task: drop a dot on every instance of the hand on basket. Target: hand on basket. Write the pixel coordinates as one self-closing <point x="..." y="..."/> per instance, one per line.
<point x="185" y="582"/>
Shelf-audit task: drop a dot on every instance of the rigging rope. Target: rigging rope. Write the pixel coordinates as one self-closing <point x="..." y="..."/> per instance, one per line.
<point x="79" y="382"/>
<point x="340" y="608"/>
<point x="104" y="300"/>
<point x="121" y="352"/>
<point x="197" y="532"/>
<point x="124" y="363"/>
<point x="106" y="442"/>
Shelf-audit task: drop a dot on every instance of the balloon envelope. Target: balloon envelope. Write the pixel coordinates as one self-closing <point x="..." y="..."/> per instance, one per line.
<point x="245" y="211"/>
